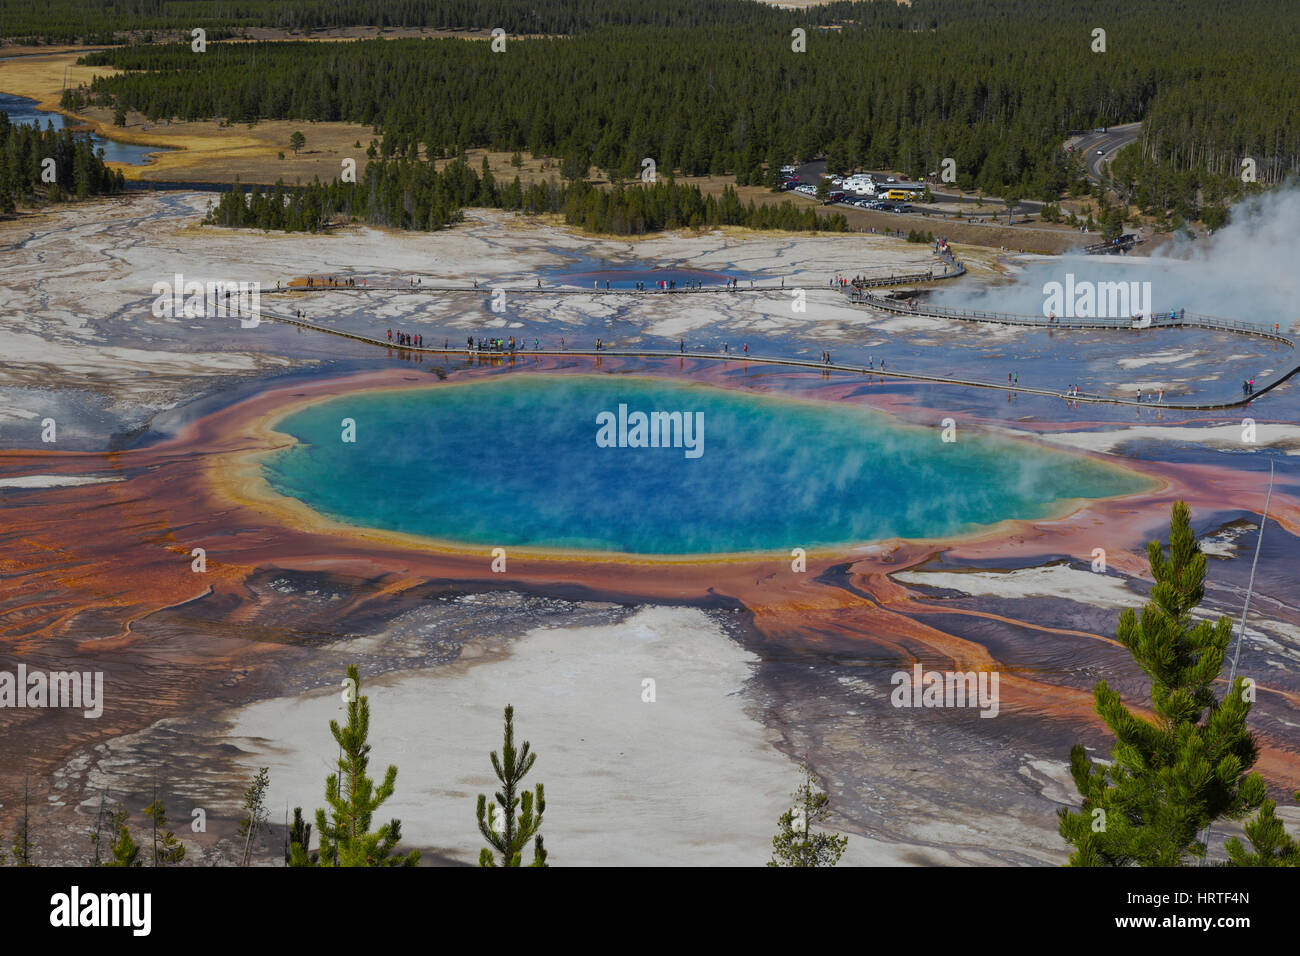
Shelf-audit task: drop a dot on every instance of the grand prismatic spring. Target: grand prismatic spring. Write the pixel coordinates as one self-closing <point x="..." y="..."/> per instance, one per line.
<point x="520" y="462"/>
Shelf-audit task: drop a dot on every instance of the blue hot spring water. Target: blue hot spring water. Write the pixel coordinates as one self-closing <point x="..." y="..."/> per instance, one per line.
<point x="515" y="461"/>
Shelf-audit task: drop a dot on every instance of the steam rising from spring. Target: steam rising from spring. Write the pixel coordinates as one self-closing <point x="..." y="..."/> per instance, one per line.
<point x="1249" y="270"/>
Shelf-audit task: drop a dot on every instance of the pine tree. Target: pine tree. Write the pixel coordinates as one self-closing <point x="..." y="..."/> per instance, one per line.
<point x="166" y="848"/>
<point x="345" y="837"/>
<point x="22" y="846"/>
<point x="515" y="818"/>
<point x="299" y="837"/>
<point x="1270" y="844"/>
<point x="1173" y="775"/>
<point x="97" y="834"/>
<point x="795" y="843"/>
<point x="255" y="814"/>
<point x="126" y="852"/>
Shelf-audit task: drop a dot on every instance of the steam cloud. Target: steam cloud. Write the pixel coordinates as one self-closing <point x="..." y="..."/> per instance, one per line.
<point x="1249" y="270"/>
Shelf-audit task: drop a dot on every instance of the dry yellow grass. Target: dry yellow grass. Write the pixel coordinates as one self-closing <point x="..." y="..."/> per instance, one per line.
<point x="43" y="78"/>
<point x="532" y="170"/>
<point x="202" y="151"/>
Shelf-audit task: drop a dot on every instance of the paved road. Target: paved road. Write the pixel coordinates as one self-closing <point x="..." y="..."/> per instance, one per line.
<point x="1109" y="142"/>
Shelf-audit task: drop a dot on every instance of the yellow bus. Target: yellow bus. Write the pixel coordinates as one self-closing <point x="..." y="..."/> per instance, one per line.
<point x="900" y="194"/>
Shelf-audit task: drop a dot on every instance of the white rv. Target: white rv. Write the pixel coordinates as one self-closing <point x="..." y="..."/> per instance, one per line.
<point x="860" y="183"/>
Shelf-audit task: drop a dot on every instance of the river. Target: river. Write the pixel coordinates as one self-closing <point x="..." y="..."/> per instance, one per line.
<point x="22" y="110"/>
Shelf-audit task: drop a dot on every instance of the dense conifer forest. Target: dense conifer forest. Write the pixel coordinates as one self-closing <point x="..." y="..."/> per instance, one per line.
<point x="78" y="171"/>
<point x="410" y="194"/>
<point x="995" y="84"/>
<point x="108" y="21"/>
<point x="715" y="87"/>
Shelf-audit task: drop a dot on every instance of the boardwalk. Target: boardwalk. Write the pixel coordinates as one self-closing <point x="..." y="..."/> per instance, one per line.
<point x="856" y="294"/>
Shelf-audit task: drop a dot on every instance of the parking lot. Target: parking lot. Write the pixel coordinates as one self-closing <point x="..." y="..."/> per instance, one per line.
<point x="803" y="180"/>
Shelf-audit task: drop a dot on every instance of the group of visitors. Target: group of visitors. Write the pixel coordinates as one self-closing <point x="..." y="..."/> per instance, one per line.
<point x="670" y="285"/>
<point x="408" y="339"/>
<point x="510" y="344"/>
<point x="1248" y="387"/>
<point x="332" y="282"/>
